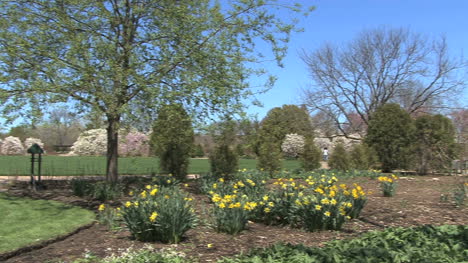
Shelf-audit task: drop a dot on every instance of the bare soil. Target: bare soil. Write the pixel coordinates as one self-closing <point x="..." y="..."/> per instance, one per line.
<point x="417" y="202"/>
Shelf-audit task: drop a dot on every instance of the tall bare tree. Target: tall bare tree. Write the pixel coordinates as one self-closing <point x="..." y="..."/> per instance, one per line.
<point x="380" y="66"/>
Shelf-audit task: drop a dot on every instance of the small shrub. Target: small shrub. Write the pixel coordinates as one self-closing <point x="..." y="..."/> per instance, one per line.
<point x="460" y="193"/>
<point x="388" y="184"/>
<point x="159" y="214"/>
<point x="269" y="158"/>
<point x="104" y="191"/>
<point x="310" y="158"/>
<point x="339" y="158"/>
<point x="80" y="187"/>
<point x="224" y="161"/>
<point x="362" y="157"/>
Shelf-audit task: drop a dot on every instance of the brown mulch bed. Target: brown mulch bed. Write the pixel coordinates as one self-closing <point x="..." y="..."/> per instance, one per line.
<point x="417" y="202"/>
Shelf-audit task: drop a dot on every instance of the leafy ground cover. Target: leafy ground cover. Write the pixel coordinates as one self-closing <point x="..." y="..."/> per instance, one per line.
<point x="95" y="165"/>
<point x="417" y="201"/>
<point x="25" y="221"/>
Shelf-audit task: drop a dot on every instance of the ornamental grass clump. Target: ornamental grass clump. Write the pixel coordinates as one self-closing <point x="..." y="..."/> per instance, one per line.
<point x="388" y="184"/>
<point x="159" y="214"/>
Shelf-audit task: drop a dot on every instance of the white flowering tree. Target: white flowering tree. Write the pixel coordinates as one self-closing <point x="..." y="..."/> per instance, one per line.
<point x="30" y="141"/>
<point x="91" y="142"/>
<point x="12" y="146"/>
<point x="293" y="145"/>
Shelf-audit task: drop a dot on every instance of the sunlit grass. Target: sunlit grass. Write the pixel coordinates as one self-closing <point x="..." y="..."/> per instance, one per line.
<point x="26" y="221"/>
<point x="96" y="165"/>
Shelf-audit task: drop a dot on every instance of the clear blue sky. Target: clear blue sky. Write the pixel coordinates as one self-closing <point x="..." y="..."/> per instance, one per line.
<point x="338" y="21"/>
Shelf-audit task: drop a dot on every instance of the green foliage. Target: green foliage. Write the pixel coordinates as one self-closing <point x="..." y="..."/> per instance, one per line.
<point x="285" y="120"/>
<point x="434" y="146"/>
<point x="362" y="157"/>
<point x="193" y="52"/>
<point x="144" y="255"/>
<point x="339" y="158"/>
<point x="197" y="151"/>
<point x="420" y="244"/>
<point x="159" y="214"/>
<point x="102" y="191"/>
<point x="310" y="158"/>
<point x="390" y="134"/>
<point x="172" y="139"/>
<point x="223" y="161"/>
<point x="269" y="158"/>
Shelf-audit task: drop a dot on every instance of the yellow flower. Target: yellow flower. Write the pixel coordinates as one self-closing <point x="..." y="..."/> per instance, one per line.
<point x="167" y="197"/>
<point x="333" y="202"/>
<point x="209" y="245"/>
<point x="221" y="180"/>
<point x="215" y="186"/>
<point x="265" y="198"/>
<point x="267" y="210"/>
<point x="332" y="193"/>
<point x="222" y="205"/>
<point x="249" y="206"/>
<point x="325" y="201"/>
<point x="318" y="207"/>
<point x="185" y="185"/>
<point x="148" y="187"/>
<point x="168" y="181"/>
<point x="131" y="193"/>
<point x="298" y="202"/>
<point x="188" y="199"/>
<point x="128" y="204"/>
<point x="102" y="207"/>
<point x="143" y="194"/>
<point x="327" y="213"/>
<point x="153" y="216"/>
<point x="136" y="203"/>
<point x="271" y="204"/>
<point x="153" y="192"/>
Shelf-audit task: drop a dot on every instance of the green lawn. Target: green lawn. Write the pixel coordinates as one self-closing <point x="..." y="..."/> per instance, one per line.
<point x="25" y="221"/>
<point x="79" y="165"/>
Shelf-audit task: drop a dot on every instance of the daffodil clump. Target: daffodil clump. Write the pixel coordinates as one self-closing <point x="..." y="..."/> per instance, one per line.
<point x="388" y="184"/>
<point x="234" y="202"/>
<point x="108" y="215"/>
<point x="315" y="203"/>
<point x="159" y="214"/>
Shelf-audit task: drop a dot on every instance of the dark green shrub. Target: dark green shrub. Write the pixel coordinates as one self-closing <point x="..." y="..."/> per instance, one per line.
<point x="172" y="140"/>
<point x="224" y="162"/>
<point x="310" y="158"/>
<point x="197" y="151"/>
<point x="390" y="133"/>
<point x="434" y="144"/>
<point x="269" y="158"/>
<point x="362" y="157"/>
<point x="80" y="187"/>
<point x="339" y="158"/>
<point x="104" y="191"/>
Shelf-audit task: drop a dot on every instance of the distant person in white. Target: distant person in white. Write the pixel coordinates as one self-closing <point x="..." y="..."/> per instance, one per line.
<point x="325" y="154"/>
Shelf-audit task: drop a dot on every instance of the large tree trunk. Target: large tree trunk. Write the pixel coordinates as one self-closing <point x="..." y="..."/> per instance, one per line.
<point x="112" y="148"/>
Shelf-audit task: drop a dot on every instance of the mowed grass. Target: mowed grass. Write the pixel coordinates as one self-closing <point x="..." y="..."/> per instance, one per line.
<point x="26" y="221"/>
<point x="96" y="165"/>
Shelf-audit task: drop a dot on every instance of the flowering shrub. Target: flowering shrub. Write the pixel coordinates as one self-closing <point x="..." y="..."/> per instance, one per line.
<point x="134" y="144"/>
<point x="159" y="214"/>
<point x="30" y="141"/>
<point x="12" y="146"/>
<point x="91" y="142"/>
<point x="293" y="145"/>
<point x="388" y="185"/>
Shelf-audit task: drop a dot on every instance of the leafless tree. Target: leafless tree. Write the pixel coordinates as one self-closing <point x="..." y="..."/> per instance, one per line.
<point x="380" y="66"/>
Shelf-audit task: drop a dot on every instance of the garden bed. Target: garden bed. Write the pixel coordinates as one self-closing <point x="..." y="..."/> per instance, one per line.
<point x="417" y="202"/>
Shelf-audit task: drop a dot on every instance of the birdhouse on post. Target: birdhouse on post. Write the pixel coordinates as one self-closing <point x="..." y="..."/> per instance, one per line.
<point x="33" y="150"/>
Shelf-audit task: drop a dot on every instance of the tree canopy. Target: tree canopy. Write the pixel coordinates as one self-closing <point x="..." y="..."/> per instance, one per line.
<point x="122" y="58"/>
